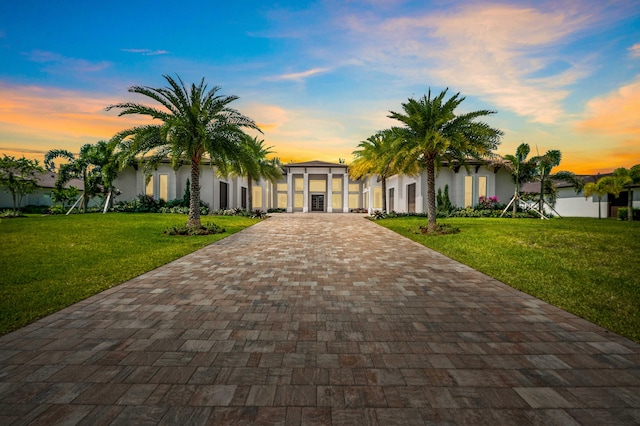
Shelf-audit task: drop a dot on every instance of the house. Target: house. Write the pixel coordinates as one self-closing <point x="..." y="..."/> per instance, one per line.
<point x="42" y="196"/>
<point x="570" y="203"/>
<point x="319" y="186"/>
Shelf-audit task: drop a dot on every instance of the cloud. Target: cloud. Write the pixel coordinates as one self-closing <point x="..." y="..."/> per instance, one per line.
<point x="42" y="118"/>
<point x="147" y="52"/>
<point x="614" y="114"/>
<point x="634" y="50"/>
<point x="300" y="76"/>
<point x="505" y="53"/>
<point x="62" y="64"/>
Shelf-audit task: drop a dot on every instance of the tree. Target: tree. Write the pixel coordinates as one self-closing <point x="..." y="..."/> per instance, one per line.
<point x="543" y="166"/>
<point x="19" y="176"/>
<point x="194" y="121"/>
<point x="433" y="133"/>
<point x="376" y="157"/>
<point x="628" y="178"/>
<point x="255" y="165"/>
<point x="603" y="186"/>
<point x="95" y="165"/>
<point x="521" y="171"/>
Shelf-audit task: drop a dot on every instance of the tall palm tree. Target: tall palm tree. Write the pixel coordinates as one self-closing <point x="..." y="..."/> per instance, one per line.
<point x="194" y="121"/>
<point x="376" y="157"/>
<point x="255" y="165"/>
<point x="434" y="133"/>
<point x="543" y="166"/>
<point x="521" y="171"/>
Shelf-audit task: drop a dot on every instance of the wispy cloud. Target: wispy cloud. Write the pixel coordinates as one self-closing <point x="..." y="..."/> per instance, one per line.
<point x="634" y="50"/>
<point x="502" y="52"/>
<point x="299" y="76"/>
<point x="58" y="63"/>
<point x="147" y="52"/>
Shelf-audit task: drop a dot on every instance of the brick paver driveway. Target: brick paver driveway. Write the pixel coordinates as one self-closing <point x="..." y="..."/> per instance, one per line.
<point x="316" y="319"/>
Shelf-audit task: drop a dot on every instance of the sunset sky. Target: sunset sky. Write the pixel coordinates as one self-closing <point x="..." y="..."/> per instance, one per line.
<point x="319" y="77"/>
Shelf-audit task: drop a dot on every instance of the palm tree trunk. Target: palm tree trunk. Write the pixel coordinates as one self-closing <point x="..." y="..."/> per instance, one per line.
<point x="249" y="193"/>
<point x="194" y="200"/>
<point x="384" y="194"/>
<point x="431" y="194"/>
<point x="516" y="194"/>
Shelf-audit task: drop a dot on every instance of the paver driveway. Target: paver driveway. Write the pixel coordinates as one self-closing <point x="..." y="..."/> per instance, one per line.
<point x="316" y="319"/>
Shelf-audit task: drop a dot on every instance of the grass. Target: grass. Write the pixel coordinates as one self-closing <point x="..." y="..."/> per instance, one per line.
<point x="50" y="262"/>
<point x="589" y="267"/>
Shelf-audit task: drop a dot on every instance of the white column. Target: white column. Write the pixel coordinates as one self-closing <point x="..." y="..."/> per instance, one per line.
<point x="290" y="192"/>
<point x="330" y="193"/>
<point x="345" y="193"/>
<point x="305" y="186"/>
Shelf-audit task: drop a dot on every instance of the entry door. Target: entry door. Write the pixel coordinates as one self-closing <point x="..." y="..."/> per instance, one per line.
<point x="317" y="202"/>
<point x="224" y="195"/>
<point x="411" y="198"/>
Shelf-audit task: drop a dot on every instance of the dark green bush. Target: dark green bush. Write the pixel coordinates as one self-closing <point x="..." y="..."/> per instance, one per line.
<point x="205" y="229"/>
<point x="623" y="213"/>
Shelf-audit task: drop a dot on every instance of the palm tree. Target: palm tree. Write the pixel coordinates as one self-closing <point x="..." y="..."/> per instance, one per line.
<point x="521" y="171"/>
<point x="603" y="186"/>
<point x="255" y="165"/>
<point x="195" y="121"/>
<point x="433" y="133"/>
<point x="89" y="166"/>
<point x="376" y="157"/>
<point x="543" y="166"/>
<point x="627" y="178"/>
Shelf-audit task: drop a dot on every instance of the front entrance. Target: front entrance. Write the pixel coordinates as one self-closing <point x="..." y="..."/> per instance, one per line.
<point x="317" y="202"/>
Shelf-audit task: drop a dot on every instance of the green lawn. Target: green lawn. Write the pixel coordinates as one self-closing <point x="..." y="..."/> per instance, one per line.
<point x="50" y="262"/>
<point x="589" y="267"/>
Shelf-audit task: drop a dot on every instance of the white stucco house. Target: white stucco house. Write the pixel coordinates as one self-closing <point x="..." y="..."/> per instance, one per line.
<point x="319" y="186"/>
<point x="42" y="196"/>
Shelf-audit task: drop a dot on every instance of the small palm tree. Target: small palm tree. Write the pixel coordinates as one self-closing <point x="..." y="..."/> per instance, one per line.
<point x="603" y="186"/>
<point x="376" y="157"/>
<point x="433" y="133"/>
<point x="94" y="165"/>
<point x="255" y="165"/>
<point x="194" y="121"/>
<point x="543" y="166"/>
<point x="627" y="178"/>
<point x="521" y="171"/>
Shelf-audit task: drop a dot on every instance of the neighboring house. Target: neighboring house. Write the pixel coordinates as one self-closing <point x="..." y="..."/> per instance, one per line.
<point x="42" y="195"/>
<point x="572" y="204"/>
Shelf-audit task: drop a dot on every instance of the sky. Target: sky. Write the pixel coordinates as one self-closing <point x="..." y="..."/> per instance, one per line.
<point x="318" y="77"/>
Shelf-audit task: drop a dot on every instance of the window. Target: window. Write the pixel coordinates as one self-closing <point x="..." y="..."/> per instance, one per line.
<point x="317" y="185"/>
<point x="336" y="201"/>
<point x="354" y="201"/>
<point x="392" y="192"/>
<point x="411" y="198"/>
<point x="298" y="184"/>
<point x="354" y="187"/>
<point x="468" y="191"/>
<point x="377" y="197"/>
<point x="243" y="197"/>
<point x="282" y="200"/>
<point x="281" y="187"/>
<point x="336" y="184"/>
<point x="482" y="186"/>
<point x="149" y="187"/>
<point x="256" y="193"/>
<point x="163" y="183"/>
<point x="298" y="201"/>
<point x="224" y="195"/>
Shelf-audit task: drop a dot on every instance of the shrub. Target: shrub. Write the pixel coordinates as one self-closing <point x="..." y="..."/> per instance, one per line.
<point x="35" y="209"/>
<point x="441" y="229"/>
<point x="623" y="213"/>
<point x="205" y="229"/>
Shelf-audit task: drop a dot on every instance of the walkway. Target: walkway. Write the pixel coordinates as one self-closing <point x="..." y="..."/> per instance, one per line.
<point x="316" y="319"/>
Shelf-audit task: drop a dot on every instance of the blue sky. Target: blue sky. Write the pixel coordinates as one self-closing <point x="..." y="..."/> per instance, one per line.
<point x="319" y="77"/>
